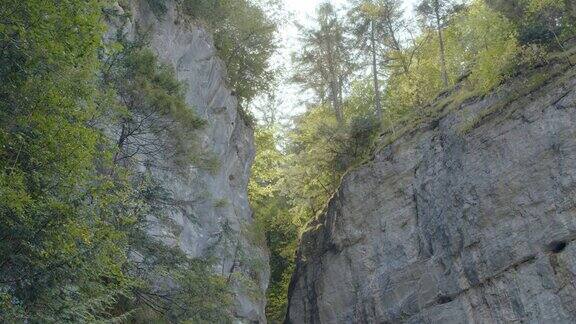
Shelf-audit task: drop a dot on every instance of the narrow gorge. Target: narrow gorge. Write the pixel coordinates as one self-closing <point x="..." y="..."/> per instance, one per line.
<point x="287" y="161"/>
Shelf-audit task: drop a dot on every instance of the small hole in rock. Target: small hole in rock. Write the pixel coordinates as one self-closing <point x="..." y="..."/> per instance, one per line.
<point x="557" y="246"/>
<point x="444" y="299"/>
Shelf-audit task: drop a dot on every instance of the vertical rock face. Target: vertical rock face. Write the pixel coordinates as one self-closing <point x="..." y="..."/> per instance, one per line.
<point x="209" y="214"/>
<point x="453" y="226"/>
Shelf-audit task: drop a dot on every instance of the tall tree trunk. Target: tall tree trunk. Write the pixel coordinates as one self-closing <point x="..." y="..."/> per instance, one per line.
<point x="338" y="104"/>
<point x="334" y="97"/>
<point x="441" y="42"/>
<point x="335" y="87"/>
<point x="379" y="112"/>
<point x="396" y="44"/>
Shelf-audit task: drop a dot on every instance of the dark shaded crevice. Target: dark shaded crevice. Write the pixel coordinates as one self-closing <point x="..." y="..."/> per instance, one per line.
<point x="556" y="246"/>
<point x="444" y="299"/>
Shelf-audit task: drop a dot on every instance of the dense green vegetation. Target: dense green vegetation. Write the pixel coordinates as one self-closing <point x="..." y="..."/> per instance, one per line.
<point x="374" y="72"/>
<point x="61" y="241"/>
<point x="76" y="114"/>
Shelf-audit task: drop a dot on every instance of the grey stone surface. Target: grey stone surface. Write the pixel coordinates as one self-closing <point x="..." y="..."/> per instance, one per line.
<point x="209" y="214"/>
<point x="445" y="226"/>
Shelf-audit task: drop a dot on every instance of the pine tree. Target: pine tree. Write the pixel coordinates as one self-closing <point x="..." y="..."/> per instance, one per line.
<point x="375" y="26"/>
<point x="435" y="14"/>
<point x="324" y="63"/>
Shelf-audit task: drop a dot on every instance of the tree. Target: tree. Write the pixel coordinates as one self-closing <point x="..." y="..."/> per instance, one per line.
<point x="480" y="47"/>
<point x="272" y="215"/>
<point x="323" y="65"/>
<point x="365" y="27"/>
<point x="151" y="119"/>
<point x="62" y="247"/>
<point x="435" y="14"/>
<point x="266" y="107"/>
<point x="485" y="44"/>
<point x="376" y="25"/>
<point x="71" y="214"/>
<point x="147" y="119"/>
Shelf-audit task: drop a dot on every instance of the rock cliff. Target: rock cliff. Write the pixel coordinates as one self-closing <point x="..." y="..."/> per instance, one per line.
<point x="469" y="218"/>
<point x="208" y="214"/>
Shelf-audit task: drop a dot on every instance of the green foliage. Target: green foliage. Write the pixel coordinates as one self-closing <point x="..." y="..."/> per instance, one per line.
<point x="480" y="44"/>
<point x="323" y="63"/>
<point x="244" y="34"/>
<point x="154" y="122"/>
<point x="158" y="7"/>
<point x="548" y="22"/>
<point x="320" y="150"/>
<point x="289" y="186"/>
<point x="487" y="44"/>
<point x="376" y="27"/>
<point x="174" y="288"/>
<point x="73" y="219"/>
<point x="62" y="250"/>
<point x="152" y="117"/>
<point x="221" y="203"/>
<point x="74" y="215"/>
<point x="272" y="214"/>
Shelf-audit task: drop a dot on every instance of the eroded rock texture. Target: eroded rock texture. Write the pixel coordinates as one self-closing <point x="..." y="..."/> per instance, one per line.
<point x="208" y="214"/>
<point x="453" y="226"/>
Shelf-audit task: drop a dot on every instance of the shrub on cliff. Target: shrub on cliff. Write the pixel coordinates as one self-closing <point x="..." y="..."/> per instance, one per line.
<point x="548" y="22"/>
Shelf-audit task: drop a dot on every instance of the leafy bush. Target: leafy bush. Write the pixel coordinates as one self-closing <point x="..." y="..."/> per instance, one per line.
<point x="481" y="45"/>
<point x="548" y="22"/>
<point x="174" y="288"/>
<point x="487" y="43"/>
<point x="272" y="219"/>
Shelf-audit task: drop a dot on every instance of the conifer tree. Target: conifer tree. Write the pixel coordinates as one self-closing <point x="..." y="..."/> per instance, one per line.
<point x="324" y="65"/>
<point x="375" y="26"/>
<point x="435" y="14"/>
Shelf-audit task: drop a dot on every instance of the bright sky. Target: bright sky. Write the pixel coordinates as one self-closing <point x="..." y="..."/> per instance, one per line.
<point x="302" y="10"/>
